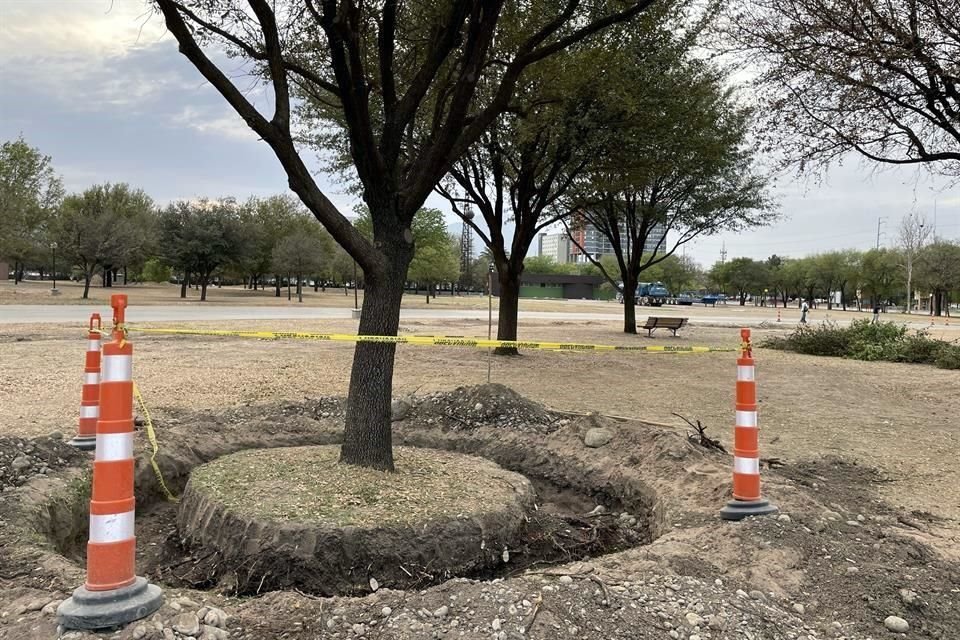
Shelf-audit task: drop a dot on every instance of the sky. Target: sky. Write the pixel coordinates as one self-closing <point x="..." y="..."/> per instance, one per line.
<point x="100" y="87"/>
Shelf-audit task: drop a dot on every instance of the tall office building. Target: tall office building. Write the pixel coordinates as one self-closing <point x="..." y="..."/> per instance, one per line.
<point x="556" y="246"/>
<point x="597" y="244"/>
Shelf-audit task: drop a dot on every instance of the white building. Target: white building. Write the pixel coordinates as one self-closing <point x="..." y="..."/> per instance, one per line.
<point x="556" y="246"/>
<point x="597" y="244"/>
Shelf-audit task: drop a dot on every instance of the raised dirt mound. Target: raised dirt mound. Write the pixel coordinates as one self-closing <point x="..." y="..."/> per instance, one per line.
<point x="490" y="405"/>
<point x="294" y="517"/>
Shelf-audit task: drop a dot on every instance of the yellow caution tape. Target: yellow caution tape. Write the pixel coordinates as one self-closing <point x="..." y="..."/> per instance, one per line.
<point x="152" y="437"/>
<point x="440" y="341"/>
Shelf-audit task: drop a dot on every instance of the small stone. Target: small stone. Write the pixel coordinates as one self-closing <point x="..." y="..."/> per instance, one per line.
<point x="50" y="608"/>
<point x="386" y="611"/>
<point x="783" y="518"/>
<point x="213" y="633"/>
<point x="597" y="437"/>
<point x="757" y="595"/>
<point x="694" y="637"/>
<point x="505" y="555"/>
<point x="478" y="407"/>
<point x="175" y="606"/>
<point x="186" y="624"/>
<point x="441" y="612"/>
<point x="216" y="618"/>
<point x="718" y="582"/>
<point x="674" y="634"/>
<point x="852" y="570"/>
<point x="20" y="463"/>
<point x="37" y="605"/>
<point x="742" y="593"/>
<point x="566" y="580"/>
<point x="853" y="523"/>
<point x="715" y="622"/>
<point x="374" y="585"/>
<point x="908" y="597"/>
<point x="202" y="612"/>
<point x="860" y="518"/>
<point x="495" y="625"/>
<point x="598" y="510"/>
<point x="359" y="629"/>
<point x="139" y="631"/>
<point x="55" y="435"/>
<point x="187" y="602"/>
<point x="168" y="634"/>
<point x="399" y="409"/>
<point x="693" y="619"/>
<point x="896" y="624"/>
<point x="799" y="608"/>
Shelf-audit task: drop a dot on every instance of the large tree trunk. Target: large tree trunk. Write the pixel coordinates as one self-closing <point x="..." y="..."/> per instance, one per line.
<point x="184" y="284"/>
<point x="367" y="437"/>
<point x="276" y="279"/>
<point x="86" y="285"/>
<point x="299" y="289"/>
<point x="507" y="316"/>
<point x="203" y="287"/>
<point x="630" y="306"/>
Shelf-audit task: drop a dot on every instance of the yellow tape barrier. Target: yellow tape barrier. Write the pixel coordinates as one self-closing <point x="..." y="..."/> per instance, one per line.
<point x="440" y="341"/>
<point x="152" y="437"/>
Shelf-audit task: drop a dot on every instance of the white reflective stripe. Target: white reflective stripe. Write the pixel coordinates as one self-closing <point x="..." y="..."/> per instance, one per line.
<point x="93" y="345"/>
<point x="91" y="378"/>
<point x="117" y="369"/>
<point x="749" y="466"/>
<point x="746" y="418"/>
<point x="115" y="527"/>
<point x="89" y="412"/>
<point x="745" y="373"/>
<point x="114" y="446"/>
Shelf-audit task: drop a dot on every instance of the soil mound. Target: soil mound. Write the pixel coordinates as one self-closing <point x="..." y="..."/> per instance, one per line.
<point x="489" y="405"/>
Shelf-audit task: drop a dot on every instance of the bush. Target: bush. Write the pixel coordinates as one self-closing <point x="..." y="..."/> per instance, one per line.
<point x="864" y="340"/>
<point x="155" y="271"/>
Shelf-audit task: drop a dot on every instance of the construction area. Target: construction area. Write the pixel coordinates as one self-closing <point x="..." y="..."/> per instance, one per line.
<point x="570" y="494"/>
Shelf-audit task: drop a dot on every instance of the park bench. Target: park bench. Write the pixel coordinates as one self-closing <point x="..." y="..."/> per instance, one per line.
<point x="655" y="322"/>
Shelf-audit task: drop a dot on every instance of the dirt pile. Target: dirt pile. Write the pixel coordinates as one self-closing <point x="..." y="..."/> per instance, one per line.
<point x="470" y="408"/>
<point x="22" y="459"/>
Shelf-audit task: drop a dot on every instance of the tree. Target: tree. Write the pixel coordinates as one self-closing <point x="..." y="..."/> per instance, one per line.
<point x="878" y="78"/>
<point x="938" y="269"/>
<point x="524" y="163"/>
<point x="879" y="274"/>
<point x="404" y="90"/>
<point x="745" y="275"/>
<point x="30" y="191"/>
<point x="105" y="225"/>
<point x="677" y="273"/>
<point x="656" y="177"/>
<point x="912" y="235"/>
<point x="300" y="253"/>
<point x="200" y="237"/>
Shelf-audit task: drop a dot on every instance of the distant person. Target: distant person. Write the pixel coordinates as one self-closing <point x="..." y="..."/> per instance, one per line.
<point x="804" y="308"/>
<point x="876" y="312"/>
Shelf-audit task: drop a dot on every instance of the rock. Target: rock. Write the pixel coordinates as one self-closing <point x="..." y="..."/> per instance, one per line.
<point x="597" y="437"/>
<point x="694" y="637"/>
<point x="799" y="608"/>
<point x="202" y="612"/>
<point x="674" y="634"/>
<point x="478" y="407"/>
<point x="386" y="611"/>
<point x="783" y="518"/>
<point x="55" y="435"/>
<point x="37" y="604"/>
<point x="853" y="523"/>
<point x="374" y="585"/>
<point x="852" y="570"/>
<point x="213" y="633"/>
<point x="20" y="463"/>
<point x="908" y="597"/>
<point x="693" y="620"/>
<point x="715" y="622"/>
<point x="598" y="510"/>
<point x="566" y="580"/>
<point x="139" y="632"/>
<point x="495" y="625"/>
<point x="187" y="624"/>
<point x="757" y="595"/>
<point x="860" y="518"/>
<point x="400" y="408"/>
<point x="441" y="612"/>
<point x="216" y="618"/>
<point x="505" y="555"/>
<point x="742" y="593"/>
<point x="50" y="608"/>
<point x="168" y="634"/>
<point x="359" y="629"/>
<point x="896" y="624"/>
<point x="187" y="602"/>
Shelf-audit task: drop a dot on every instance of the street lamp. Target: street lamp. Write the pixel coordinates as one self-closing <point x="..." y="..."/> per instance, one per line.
<point x="53" y="248"/>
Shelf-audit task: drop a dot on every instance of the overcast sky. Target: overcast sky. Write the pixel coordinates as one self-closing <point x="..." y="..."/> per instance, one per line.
<point x="100" y="87"/>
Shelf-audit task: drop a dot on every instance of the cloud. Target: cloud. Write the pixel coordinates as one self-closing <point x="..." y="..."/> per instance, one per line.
<point x="208" y="122"/>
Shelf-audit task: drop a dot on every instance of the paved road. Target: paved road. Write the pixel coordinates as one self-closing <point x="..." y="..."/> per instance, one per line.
<point x="78" y="314"/>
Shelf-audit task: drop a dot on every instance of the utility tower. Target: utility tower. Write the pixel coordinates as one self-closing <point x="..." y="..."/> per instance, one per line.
<point x="723" y="254"/>
<point x="466" y="249"/>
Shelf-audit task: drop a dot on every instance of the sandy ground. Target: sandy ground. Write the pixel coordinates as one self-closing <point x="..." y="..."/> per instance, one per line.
<point x="902" y="419"/>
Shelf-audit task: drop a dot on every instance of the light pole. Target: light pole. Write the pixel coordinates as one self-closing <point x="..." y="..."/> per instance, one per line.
<point x="53" y="248"/>
<point x="489" y="316"/>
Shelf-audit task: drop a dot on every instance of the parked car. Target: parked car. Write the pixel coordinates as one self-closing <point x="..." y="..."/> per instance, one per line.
<point x="687" y="298"/>
<point x="711" y="299"/>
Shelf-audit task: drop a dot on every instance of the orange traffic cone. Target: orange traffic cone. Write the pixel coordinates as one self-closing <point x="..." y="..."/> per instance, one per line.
<point x="747" y="500"/>
<point x="86" y="438"/>
<point x="113" y="595"/>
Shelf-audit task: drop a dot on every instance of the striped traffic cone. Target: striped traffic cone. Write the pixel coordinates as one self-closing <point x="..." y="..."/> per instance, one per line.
<point x="86" y="438"/>
<point x="113" y="595"/>
<point x="746" y="451"/>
